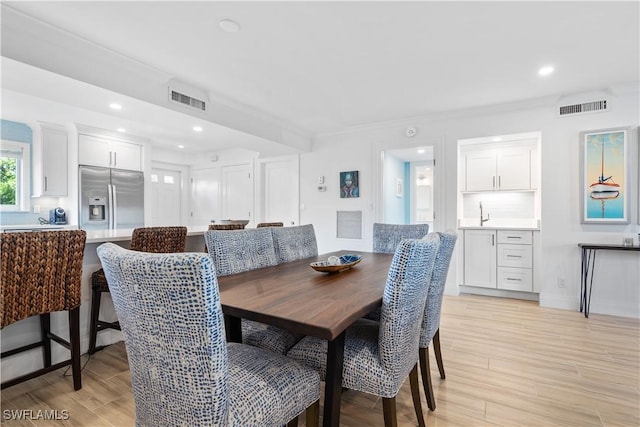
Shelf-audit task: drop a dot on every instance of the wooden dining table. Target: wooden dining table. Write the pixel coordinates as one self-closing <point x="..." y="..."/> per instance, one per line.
<point x="295" y="297"/>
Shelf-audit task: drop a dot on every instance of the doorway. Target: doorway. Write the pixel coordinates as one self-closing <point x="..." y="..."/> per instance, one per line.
<point x="410" y="183"/>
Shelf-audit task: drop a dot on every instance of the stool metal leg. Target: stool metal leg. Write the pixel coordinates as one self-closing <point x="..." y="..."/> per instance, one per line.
<point x="93" y="325"/>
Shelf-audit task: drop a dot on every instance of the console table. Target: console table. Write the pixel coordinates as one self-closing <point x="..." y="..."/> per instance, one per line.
<point x="588" y="262"/>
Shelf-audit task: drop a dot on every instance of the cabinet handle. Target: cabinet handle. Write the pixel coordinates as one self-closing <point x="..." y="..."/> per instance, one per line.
<point x="110" y="158"/>
<point x="46" y="184"/>
<point x="494" y="182"/>
<point x="514" y="279"/>
<point x="499" y="181"/>
<point x="493" y="237"/>
<point x="115" y="159"/>
<point x="514" y="256"/>
<point x="514" y="237"/>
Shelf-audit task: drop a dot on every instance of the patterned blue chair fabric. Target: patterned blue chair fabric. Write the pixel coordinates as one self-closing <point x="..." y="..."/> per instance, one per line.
<point x="235" y="251"/>
<point x="182" y="370"/>
<point x="431" y="320"/>
<point x="293" y="243"/>
<point x="378" y="357"/>
<point x="387" y="236"/>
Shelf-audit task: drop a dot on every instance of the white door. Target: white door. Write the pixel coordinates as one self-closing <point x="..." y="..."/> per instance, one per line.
<point x="166" y="193"/>
<point x="421" y="187"/>
<point x="237" y="192"/>
<point x="280" y="192"/>
<point x="205" y="196"/>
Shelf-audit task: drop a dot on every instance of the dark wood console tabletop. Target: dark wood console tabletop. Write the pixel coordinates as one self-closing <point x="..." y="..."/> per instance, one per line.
<point x="588" y="262"/>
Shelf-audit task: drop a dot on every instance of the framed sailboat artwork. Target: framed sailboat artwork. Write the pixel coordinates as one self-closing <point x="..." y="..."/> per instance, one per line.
<point x="604" y="185"/>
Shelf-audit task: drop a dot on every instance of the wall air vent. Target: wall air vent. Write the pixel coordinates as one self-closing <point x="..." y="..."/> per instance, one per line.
<point x="585" y="107"/>
<point x="183" y="94"/>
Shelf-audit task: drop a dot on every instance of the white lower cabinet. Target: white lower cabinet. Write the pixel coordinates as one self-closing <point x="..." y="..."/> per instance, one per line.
<point x="499" y="259"/>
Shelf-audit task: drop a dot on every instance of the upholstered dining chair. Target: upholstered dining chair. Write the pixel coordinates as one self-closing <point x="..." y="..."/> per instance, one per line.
<point x="143" y="239"/>
<point x="231" y="226"/>
<point x="270" y="224"/>
<point x="244" y="250"/>
<point x="430" y="331"/>
<point x="41" y="273"/>
<point x="235" y="251"/>
<point x="378" y="357"/>
<point x="387" y="236"/>
<point x="293" y="243"/>
<point x="183" y="372"/>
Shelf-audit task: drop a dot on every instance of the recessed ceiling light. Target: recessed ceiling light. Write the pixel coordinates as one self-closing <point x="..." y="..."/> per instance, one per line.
<point x="122" y="130"/>
<point x="497" y="139"/>
<point x="229" y="26"/>
<point x="545" y="71"/>
<point x="421" y="151"/>
<point x="197" y="128"/>
<point x="180" y="146"/>
<point x="115" y="106"/>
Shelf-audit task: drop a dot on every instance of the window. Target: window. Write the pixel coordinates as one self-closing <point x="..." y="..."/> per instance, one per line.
<point x="15" y="175"/>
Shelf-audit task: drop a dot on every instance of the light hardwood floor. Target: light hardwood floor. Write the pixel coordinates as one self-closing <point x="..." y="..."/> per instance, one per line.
<point x="508" y="363"/>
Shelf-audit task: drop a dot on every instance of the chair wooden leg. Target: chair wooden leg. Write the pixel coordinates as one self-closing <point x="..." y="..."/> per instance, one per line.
<point x="74" y="343"/>
<point x="425" y="370"/>
<point x="93" y="321"/>
<point x="436" y="350"/>
<point x="45" y="329"/>
<point x="312" y="415"/>
<point x="293" y="422"/>
<point x="389" y="410"/>
<point x="415" y="394"/>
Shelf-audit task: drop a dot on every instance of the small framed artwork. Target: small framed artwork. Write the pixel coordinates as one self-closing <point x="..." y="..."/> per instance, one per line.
<point x="604" y="169"/>
<point x="349" y="185"/>
<point x="399" y="188"/>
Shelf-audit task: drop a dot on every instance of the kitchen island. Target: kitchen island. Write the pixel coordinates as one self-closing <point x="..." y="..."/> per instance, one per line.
<point x="28" y="330"/>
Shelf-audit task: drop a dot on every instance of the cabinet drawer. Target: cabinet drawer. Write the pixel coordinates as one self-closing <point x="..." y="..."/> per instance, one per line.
<point x="515" y="256"/>
<point x="518" y="237"/>
<point x="515" y="279"/>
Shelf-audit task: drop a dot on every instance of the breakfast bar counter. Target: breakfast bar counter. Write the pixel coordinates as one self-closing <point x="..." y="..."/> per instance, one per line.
<point x="28" y="330"/>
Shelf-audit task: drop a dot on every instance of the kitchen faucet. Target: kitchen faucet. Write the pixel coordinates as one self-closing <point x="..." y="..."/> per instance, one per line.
<point x="483" y="220"/>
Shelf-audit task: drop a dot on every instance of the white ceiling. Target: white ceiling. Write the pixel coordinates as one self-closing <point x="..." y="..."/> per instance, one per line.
<point x="324" y="67"/>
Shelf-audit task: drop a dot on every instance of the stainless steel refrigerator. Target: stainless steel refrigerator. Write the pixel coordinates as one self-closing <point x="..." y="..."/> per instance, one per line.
<point x="110" y="198"/>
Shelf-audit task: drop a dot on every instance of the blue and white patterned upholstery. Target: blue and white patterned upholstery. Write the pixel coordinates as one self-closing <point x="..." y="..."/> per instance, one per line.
<point x="379" y="356"/>
<point x="431" y="319"/>
<point x="268" y="337"/>
<point x="182" y="370"/>
<point x="235" y="251"/>
<point x="387" y="236"/>
<point x="292" y="243"/>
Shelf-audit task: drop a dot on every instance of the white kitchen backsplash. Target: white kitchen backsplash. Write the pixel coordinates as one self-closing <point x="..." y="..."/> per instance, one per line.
<point x="499" y="205"/>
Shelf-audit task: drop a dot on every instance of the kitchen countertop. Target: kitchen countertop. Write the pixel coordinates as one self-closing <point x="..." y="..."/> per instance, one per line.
<point x="499" y="224"/>
<point x="98" y="236"/>
<point x="498" y="227"/>
<point x="123" y="234"/>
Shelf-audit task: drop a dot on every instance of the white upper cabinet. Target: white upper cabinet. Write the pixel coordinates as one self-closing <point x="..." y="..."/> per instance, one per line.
<point x="498" y="169"/>
<point x="110" y="153"/>
<point x="50" y="157"/>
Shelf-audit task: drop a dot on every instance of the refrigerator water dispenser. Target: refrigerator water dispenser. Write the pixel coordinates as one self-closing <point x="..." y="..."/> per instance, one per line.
<point x="97" y="208"/>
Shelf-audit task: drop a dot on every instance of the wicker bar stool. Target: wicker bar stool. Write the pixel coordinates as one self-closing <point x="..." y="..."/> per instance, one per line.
<point x="144" y="239"/>
<point x="41" y="272"/>
<point x="270" y="224"/>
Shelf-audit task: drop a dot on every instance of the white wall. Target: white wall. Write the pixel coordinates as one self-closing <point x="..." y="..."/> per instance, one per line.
<point x="393" y="206"/>
<point x="616" y="289"/>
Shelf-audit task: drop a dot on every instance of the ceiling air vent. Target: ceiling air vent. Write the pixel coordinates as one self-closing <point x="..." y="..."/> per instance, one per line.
<point x="585" y="107"/>
<point x="188" y="101"/>
<point x="186" y="95"/>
